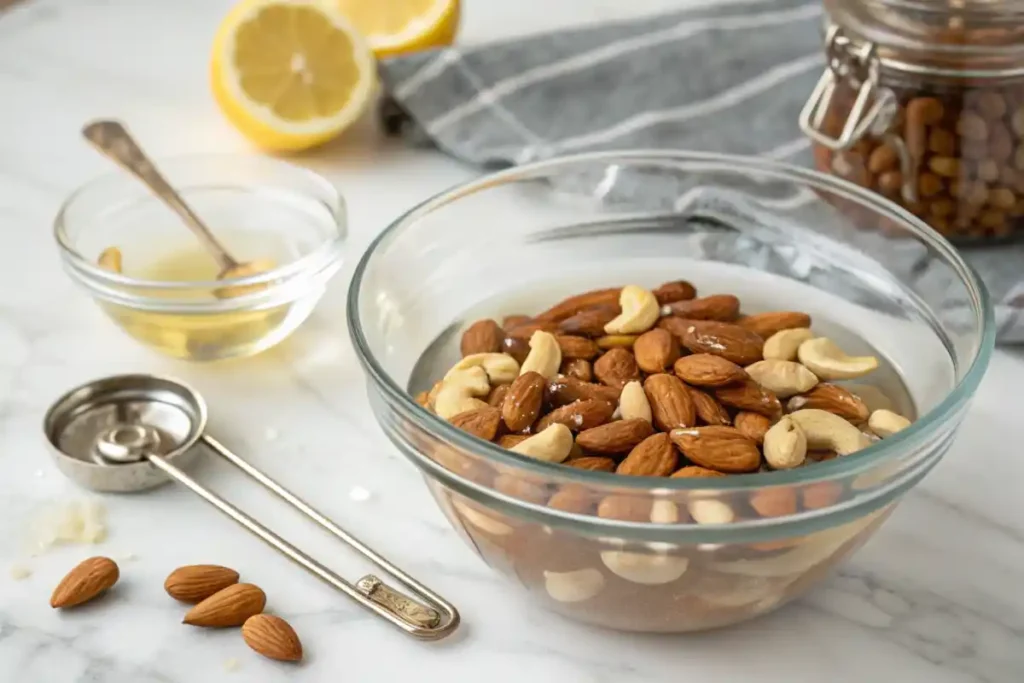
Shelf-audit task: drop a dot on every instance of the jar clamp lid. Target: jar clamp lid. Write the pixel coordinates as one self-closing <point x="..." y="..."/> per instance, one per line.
<point x="134" y="432"/>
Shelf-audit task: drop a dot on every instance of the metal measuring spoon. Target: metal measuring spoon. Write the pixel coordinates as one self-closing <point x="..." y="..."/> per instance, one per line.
<point x="135" y="432"/>
<point x="115" y="142"/>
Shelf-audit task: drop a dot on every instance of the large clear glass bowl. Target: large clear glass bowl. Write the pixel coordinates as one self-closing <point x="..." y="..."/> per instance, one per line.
<point x="779" y="237"/>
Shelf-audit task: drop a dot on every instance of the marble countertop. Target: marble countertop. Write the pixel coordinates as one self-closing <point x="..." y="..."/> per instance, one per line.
<point x="934" y="597"/>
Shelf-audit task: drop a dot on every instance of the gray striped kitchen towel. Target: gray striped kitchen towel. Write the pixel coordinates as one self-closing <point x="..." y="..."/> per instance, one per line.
<point x="728" y="77"/>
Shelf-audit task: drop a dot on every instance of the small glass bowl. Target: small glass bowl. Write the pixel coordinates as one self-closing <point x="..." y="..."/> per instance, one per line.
<point x="259" y="208"/>
<point x="777" y="236"/>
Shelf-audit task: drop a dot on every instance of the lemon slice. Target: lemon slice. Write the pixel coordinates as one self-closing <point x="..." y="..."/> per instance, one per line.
<point x="290" y="74"/>
<point x="395" y="27"/>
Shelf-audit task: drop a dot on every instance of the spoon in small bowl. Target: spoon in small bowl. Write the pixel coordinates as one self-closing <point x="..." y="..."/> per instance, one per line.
<point x="114" y="141"/>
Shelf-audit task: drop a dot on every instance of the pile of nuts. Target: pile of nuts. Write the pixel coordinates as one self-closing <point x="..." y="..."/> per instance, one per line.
<point x="219" y="601"/>
<point x="659" y="384"/>
<point x="953" y="158"/>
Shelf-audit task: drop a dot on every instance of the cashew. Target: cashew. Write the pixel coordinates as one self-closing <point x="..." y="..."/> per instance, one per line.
<point x="785" y="445"/>
<point x="664" y="512"/>
<point x="783" y="345"/>
<point x="545" y="355"/>
<point x="826" y="360"/>
<point x="551" y="445"/>
<point x="110" y="259"/>
<point x="501" y="368"/>
<point x="885" y="423"/>
<point x="828" y="431"/>
<point x="574" y="586"/>
<point x="633" y="402"/>
<point x="784" y="377"/>
<point x="644" y="568"/>
<point x="480" y="520"/>
<point x="457" y="392"/>
<point x="640" y="310"/>
<point x="710" y="512"/>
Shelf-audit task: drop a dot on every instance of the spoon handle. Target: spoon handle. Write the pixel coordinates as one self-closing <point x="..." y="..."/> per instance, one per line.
<point x="113" y="140"/>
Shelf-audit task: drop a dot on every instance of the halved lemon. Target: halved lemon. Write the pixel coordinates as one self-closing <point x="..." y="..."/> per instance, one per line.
<point x="395" y="27"/>
<point x="290" y="74"/>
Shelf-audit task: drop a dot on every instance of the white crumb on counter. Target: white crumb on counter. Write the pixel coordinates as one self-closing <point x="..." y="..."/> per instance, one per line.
<point x="127" y="557"/>
<point x="20" y="572"/>
<point x="232" y="664"/>
<point x="271" y="434"/>
<point x="359" y="494"/>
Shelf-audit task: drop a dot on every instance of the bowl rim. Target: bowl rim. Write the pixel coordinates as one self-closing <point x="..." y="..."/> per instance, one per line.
<point x="837" y="468"/>
<point x="324" y="255"/>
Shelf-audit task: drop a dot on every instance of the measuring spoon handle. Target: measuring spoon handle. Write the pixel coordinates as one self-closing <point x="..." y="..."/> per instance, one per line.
<point x="114" y="141"/>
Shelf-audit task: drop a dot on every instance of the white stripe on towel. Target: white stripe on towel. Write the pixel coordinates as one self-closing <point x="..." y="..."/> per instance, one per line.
<point x="615" y="49"/>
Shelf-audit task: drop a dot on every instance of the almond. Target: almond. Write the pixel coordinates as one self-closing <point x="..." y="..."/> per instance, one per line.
<point x="617" y="341"/>
<point x="510" y="321"/>
<point x="774" y="502"/>
<point x="655" y="456"/>
<point x="709" y="411"/>
<point x="767" y="324"/>
<point x="724" y="307"/>
<point x="578" y="368"/>
<point x="753" y="425"/>
<point x="730" y="341"/>
<point x="590" y="322"/>
<point x="750" y="396"/>
<point x="573" y="498"/>
<point x="194" y="583"/>
<point x="523" y="489"/>
<point x="526" y="330"/>
<point x="482" y="423"/>
<point x="578" y="415"/>
<point x="483" y="336"/>
<point x="671" y="292"/>
<point x="423" y="398"/>
<point x="656" y="350"/>
<point x="563" y="390"/>
<point x="518" y="348"/>
<point x="834" y="399"/>
<point x="821" y="494"/>
<point x="707" y="370"/>
<point x="510" y="440"/>
<point x="616" y="368"/>
<point x="625" y="508"/>
<point x="620" y="436"/>
<point x="577" y="347"/>
<point x="497" y="395"/>
<point x="724" y="449"/>
<point x="523" y="401"/>
<point x="574" y="304"/>
<point x="593" y="463"/>
<point x="272" y="637"/>
<point x="86" y="581"/>
<point x="230" y="606"/>
<point x="696" y="471"/>
<point x="671" y="404"/>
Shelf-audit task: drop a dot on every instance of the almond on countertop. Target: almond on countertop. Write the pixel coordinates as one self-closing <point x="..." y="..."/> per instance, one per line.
<point x="272" y="637"/>
<point x="86" y="581"/>
<point x="196" y="582"/>
<point x="230" y="606"/>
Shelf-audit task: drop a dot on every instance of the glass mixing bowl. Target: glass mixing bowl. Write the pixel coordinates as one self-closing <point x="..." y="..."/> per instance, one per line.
<point x="167" y="294"/>
<point x="780" y="237"/>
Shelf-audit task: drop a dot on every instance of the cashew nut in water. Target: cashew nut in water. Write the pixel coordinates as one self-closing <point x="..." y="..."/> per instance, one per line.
<point x="649" y="569"/>
<point x="785" y="445"/>
<point x="480" y="520"/>
<point x="640" y="311"/>
<point x="784" y="377"/>
<point x="501" y="368"/>
<point x="552" y="445"/>
<point x="664" y="512"/>
<point x="458" y="390"/>
<point x="574" y="586"/>
<point x="829" y="362"/>
<point x="633" y="402"/>
<point x="885" y="423"/>
<point x="545" y="355"/>
<point x="783" y="345"/>
<point x="710" y="512"/>
<point x="828" y="431"/>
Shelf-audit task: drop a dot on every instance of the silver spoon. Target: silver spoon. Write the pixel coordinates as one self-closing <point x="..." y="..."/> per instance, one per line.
<point x="115" y="142"/>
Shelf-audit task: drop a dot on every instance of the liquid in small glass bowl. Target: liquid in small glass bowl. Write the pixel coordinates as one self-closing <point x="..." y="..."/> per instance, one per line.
<point x="167" y="294"/>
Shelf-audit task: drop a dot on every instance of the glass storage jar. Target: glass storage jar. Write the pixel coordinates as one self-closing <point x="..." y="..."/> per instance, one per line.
<point x="923" y="102"/>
